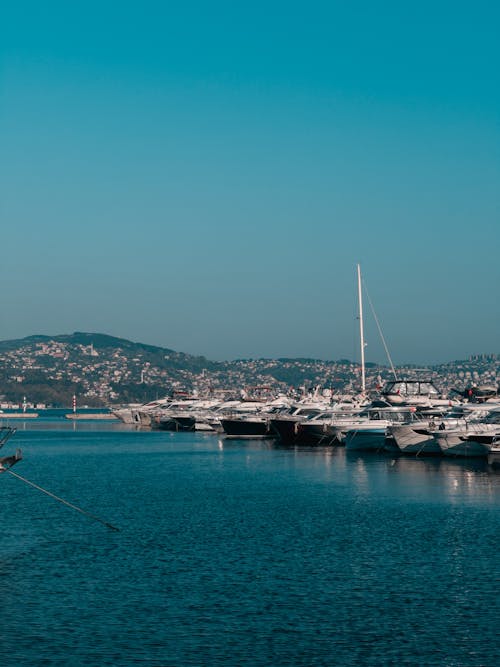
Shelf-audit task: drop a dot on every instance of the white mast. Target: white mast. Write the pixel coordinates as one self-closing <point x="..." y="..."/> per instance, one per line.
<point x="361" y="333"/>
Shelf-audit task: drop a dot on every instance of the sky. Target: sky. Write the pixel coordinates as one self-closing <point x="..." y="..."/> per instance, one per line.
<point x="206" y="176"/>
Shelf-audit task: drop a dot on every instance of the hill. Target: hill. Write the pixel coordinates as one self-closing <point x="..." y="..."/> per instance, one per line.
<point x="102" y="370"/>
<point x="97" y="367"/>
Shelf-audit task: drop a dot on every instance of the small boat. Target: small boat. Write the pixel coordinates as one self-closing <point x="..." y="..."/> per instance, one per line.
<point x="7" y="462"/>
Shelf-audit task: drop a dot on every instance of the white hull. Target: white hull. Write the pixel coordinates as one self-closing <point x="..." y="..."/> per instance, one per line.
<point x="458" y="444"/>
<point x="142" y="418"/>
<point x="124" y="414"/>
<point x="203" y="426"/>
<point x="411" y="441"/>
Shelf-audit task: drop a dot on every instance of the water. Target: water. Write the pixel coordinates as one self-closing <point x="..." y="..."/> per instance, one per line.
<point x="243" y="553"/>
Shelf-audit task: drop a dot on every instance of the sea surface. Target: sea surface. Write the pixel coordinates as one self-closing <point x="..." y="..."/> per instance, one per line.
<point x="242" y="553"/>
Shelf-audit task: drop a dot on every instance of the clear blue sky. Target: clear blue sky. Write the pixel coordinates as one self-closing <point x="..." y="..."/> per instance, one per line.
<point x="205" y="176"/>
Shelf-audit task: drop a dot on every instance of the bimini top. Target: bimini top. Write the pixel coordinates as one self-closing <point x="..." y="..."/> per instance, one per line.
<point x="411" y="388"/>
<point x="416" y="392"/>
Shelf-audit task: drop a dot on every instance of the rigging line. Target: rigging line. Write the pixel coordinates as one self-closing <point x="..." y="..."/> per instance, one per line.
<point x="61" y="500"/>
<point x="380" y="332"/>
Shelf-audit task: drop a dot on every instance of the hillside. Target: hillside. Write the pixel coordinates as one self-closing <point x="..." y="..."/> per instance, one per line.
<point x="103" y="370"/>
<point x="97" y="367"/>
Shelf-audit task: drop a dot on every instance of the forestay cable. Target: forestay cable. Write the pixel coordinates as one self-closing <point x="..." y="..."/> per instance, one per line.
<point x="61" y="500"/>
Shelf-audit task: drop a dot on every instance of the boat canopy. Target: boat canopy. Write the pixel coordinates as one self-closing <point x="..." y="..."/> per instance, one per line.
<point x="410" y="388"/>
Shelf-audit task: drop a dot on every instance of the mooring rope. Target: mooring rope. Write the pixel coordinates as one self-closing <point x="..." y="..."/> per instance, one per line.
<point x="61" y="500"/>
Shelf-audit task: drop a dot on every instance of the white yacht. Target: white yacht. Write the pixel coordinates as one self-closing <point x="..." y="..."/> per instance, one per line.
<point x="474" y="439"/>
<point x="138" y="413"/>
<point x="370" y="430"/>
<point x="420" y="438"/>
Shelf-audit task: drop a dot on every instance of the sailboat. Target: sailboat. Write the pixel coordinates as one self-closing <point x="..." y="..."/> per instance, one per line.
<point x="368" y="430"/>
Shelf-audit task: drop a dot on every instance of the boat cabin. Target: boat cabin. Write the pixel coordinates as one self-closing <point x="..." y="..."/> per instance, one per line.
<point x="409" y="391"/>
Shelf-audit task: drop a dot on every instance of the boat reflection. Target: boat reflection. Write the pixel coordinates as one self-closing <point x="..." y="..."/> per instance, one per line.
<point x="459" y="480"/>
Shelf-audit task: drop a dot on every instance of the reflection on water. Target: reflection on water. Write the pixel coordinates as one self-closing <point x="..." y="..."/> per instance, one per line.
<point x="70" y="425"/>
<point x="424" y="478"/>
<point x="244" y="553"/>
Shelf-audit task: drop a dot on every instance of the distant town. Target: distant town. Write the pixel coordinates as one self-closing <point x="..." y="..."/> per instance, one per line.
<point x="100" y="370"/>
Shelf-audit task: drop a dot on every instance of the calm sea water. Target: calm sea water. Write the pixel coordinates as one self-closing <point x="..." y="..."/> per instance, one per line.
<point x="243" y="553"/>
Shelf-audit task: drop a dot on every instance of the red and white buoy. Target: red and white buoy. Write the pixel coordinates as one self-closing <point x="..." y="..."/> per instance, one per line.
<point x="74" y="403"/>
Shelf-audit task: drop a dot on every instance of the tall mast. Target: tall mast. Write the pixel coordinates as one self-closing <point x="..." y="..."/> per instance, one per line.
<point x="361" y="333"/>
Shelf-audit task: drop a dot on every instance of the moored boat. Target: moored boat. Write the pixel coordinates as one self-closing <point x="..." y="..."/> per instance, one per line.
<point x="174" y="422"/>
<point x="370" y="430"/>
<point x="414" y="392"/>
<point x="243" y="426"/>
<point x="460" y="443"/>
<point x="414" y="439"/>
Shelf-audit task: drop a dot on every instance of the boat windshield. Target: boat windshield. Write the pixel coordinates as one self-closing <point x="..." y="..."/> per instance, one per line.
<point x="392" y="415"/>
<point x="411" y="388"/>
<point x="492" y="418"/>
<point x="306" y="412"/>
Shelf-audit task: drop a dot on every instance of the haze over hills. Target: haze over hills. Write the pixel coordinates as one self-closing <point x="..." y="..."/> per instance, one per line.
<point x="101" y="370"/>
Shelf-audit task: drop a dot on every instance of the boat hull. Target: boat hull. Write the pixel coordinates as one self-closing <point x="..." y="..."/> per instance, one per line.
<point x="247" y="428"/>
<point x="414" y="441"/>
<point x="176" y="424"/>
<point x="317" y="434"/>
<point x="366" y="440"/>
<point x="456" y="444"/>
<point x="288" y="431"/>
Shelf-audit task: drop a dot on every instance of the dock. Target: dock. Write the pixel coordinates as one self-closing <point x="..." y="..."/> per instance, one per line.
<point x="19" y="415"/>
<point x="91" y="416"/>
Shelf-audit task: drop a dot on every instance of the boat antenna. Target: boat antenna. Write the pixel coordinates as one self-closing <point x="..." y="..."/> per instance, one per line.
<point x="61" y="500"/>
<point x="380" y="332"/>
<point x="361" y="333"/>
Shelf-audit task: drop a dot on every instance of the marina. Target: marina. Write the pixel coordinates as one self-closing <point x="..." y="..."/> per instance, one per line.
<point x="216" y="448"/>
<point x="404" y="416"/>
<point x="407" y="426"/>
<point x="271" y="529"/>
